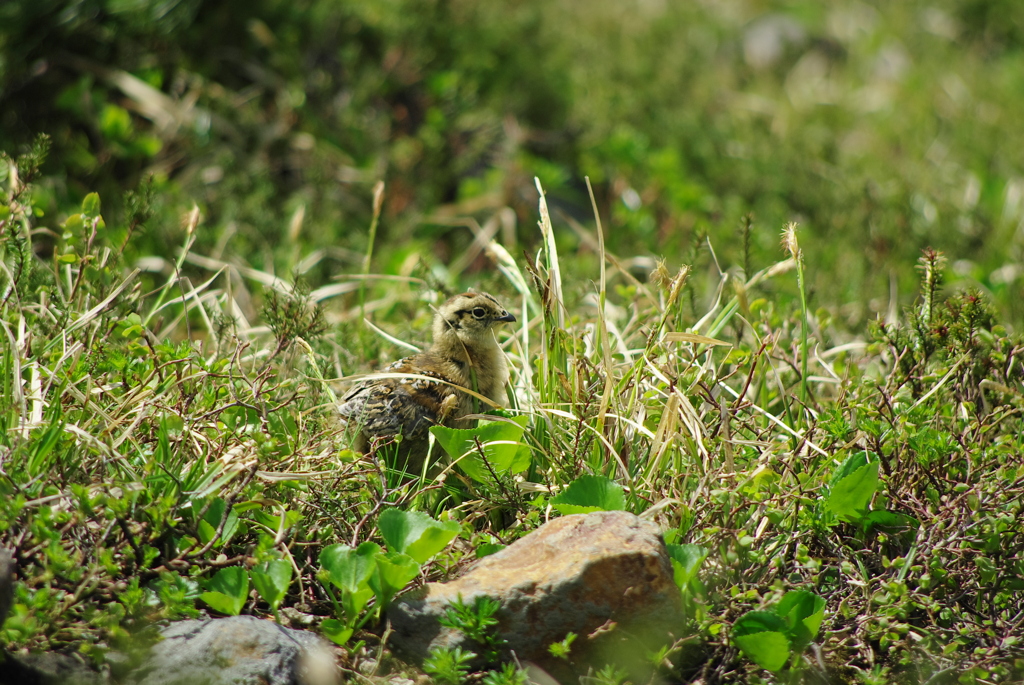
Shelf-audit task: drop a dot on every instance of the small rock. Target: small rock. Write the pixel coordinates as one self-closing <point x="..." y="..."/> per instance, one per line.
<point x="43" y="668"/>
<point x="368" y="666"/>
<point x="604" y="576"/>
<point x="296" y="618"/>
<point x="401" y="681"/>
<point x="7" y="566"/>
<point x="240" y="650"/>
<point x="766" y="39"/>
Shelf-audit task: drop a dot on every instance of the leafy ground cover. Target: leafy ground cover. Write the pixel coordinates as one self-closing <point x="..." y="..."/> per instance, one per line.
<point x="828" y="430"/>
<point x="848" y="511"/>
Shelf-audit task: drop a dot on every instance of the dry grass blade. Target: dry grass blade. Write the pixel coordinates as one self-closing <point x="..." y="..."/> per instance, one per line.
<point x="390" y="338"/>
<point x="510" y="269"/>
<point x="261" y="277"/>
<point x="551" y="250"/>
<point x="695" y="338"/>
<point x="663" y="437"/>
<point x="13" y="349"/>
<point x="90" y="315"/>
<point x="945" y="379"/>
<point x="333" y="290"/>
<point x="602" y="323"/>
<point x="150" y="102"/>
<point x="482" y="237"/>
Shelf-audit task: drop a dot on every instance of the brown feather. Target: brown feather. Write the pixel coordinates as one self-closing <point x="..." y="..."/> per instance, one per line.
<point x="465" y="353"/>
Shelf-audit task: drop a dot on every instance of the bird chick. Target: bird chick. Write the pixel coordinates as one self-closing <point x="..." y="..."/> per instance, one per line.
<point x="465" y="354"/>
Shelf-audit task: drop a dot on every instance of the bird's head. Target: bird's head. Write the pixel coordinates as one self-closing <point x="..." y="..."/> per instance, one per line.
<point x="469" y="318"/>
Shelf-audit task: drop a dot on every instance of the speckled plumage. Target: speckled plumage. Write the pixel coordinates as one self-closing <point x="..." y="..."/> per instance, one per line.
<point x="464" y="353"/>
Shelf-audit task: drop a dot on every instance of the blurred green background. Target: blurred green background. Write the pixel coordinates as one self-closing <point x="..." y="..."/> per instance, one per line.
<point x="882" y="128"/>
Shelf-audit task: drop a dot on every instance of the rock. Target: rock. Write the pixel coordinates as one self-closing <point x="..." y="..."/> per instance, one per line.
<point x="604" y="576"/>
<point x="47" y="668"/>
<point x="44" y="668"/>
<point x="766" y="39"/>
<point x="7" y="566"/>
<point x="240" y="650"/>
<point x="296" y="618"/>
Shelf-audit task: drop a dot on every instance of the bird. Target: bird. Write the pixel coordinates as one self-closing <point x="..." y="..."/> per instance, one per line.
<point x="399" y="407"/>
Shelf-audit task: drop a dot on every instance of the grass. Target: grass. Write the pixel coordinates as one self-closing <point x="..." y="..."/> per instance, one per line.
<point x="881" y="128"/>
<point x="159" y="434"/>
<point x="167" y="438"/>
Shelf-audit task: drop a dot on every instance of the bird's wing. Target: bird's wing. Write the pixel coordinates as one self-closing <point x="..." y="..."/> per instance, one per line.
<point x="389" y="406"/>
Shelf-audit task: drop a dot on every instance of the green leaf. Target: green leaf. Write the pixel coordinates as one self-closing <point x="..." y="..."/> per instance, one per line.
<point x="349" y="569"/>
<point x="590" y="493"/>
<point x="394" y="571"/>
<point x="115" y="123"/>
<point x="686" y="560"/>
<point x="148" y="145"/>
<point x="355" y="602"/>
<point x="228" y="591"/>
<point x="282" y="426"/>
<point x="499" y="441"/>
<point x="91" y="205"/>
<point x="336" y="631"/>
<point x="273" y="522"/>
<point x="211" y="520"/>
<point x="803" y="613"/>
<point x="271" y="579"/>
<point x="890" y="522"/>
<point x="149" y="555"/>
<point x="415" y="533"/>
<point x="522" y="460"/>
<point x="762" y="637"/>
<point x="849" y="465"/>
<point x="74" y="223"/>
<point x="236" y="418"/>
<point x="488" y="548"/>
<point x="852" y="487"/>
<point x="39" y="461"/>
<point x="206" y="531"/>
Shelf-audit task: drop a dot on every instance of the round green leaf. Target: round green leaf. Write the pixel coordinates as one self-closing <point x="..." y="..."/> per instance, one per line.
<point x="91" y="204"/>
<point x="228" y="591"/>
<point x="803" y="613"/>
<point x="761" y="636"/>
<point x="271" y="579"/>
<point x="349" y="569"/>
<point x="686" y="559"/>
<point x="590" y="493"/>
<point x="415" y="533"/>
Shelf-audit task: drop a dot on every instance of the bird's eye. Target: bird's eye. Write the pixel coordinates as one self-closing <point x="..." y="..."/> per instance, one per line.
<point x="479" y="312"/>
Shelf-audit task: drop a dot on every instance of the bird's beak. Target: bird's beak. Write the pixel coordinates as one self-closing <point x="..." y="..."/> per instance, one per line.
<point x="506" y="317"/>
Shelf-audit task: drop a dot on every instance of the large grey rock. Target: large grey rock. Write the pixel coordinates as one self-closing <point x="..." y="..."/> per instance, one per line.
<point x="604" y="576"/>
<point x="241" y="650"/>
<point x="47" y="668"/>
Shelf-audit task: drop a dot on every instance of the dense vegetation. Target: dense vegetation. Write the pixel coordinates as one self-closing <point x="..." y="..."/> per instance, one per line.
<point x="192" y="234"/>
